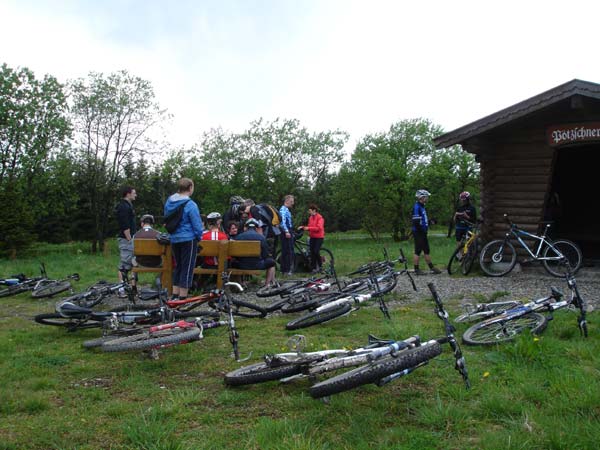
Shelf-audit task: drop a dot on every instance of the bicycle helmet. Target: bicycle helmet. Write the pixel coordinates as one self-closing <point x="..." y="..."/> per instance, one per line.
<point x="148" y="218"/>
<point x="213" y="216"/>
<point x="422" y="193"/>
<point x="253" y="223"/>
<point x="236" y="199"/>
<point x="465" y="195"/>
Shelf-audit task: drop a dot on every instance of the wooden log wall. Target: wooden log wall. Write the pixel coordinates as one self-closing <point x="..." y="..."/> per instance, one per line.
<point x="515" y="180"/>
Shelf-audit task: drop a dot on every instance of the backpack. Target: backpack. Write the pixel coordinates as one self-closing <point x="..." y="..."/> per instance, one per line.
<point x="270" y="216"/>
<point x="172" y="220"/>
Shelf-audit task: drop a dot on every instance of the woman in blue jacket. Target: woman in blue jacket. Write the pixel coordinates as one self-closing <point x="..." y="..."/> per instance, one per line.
<point x="184" y="240"/>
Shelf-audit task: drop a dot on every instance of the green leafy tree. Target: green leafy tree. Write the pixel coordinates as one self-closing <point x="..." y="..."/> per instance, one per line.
<point x="113" y="116"/>
<point x="33" y="128"/>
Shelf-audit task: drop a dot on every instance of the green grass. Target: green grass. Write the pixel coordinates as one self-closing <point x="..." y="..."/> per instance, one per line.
<point x="534" y="393"/>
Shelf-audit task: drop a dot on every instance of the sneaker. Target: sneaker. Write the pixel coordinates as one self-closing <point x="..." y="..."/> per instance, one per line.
<point x="419" y="272"/>
<point x="435" y="271"/>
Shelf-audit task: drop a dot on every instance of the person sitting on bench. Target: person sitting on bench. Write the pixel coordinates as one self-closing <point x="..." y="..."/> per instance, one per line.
<point x="253" y="232"/>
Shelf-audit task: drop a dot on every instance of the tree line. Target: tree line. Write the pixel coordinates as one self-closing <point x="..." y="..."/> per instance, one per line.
<point x="66" y="149"/>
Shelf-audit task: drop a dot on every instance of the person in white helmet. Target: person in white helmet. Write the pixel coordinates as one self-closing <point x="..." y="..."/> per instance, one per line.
<point x="420" y="225"/>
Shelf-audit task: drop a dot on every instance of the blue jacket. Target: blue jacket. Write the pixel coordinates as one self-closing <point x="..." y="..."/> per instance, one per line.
<point x="419" y="218"/>
<point x="190" y="227"/>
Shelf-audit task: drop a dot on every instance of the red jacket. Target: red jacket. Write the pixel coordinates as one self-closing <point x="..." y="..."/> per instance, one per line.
<point x="316" y="226"/>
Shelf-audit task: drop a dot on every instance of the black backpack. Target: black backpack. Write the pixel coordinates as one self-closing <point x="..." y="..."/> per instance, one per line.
<point x="172" y="220"/>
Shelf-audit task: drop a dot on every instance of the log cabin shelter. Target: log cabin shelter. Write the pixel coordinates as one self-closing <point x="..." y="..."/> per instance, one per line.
<point x="540" y="161"/>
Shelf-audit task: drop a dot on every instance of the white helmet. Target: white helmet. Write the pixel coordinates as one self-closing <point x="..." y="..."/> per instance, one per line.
<point x="422" y="193"/>
<point x="214" y="216"/>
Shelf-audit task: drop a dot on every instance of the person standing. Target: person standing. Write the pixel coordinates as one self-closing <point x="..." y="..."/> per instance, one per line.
<point x="287" y="238"/>
<point x="316" y="232"/>
<point x="420" y="225"/>
<point x="184" y="240"/>
<point x="126" y="219"/>
<point x="464" y="216"/>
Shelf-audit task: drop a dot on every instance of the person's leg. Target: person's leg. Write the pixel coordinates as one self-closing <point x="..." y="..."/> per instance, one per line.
<point x="315" y="253"/>
<point x="189" y="252"/>
<point x="433" y="269"/>
<point x="176" y="249"/>
<point x="286" y="250"/>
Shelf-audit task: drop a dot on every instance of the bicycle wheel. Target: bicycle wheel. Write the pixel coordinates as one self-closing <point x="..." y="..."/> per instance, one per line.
<point x="568" y="249"/>
<point x="467" y="263"/>
<point x="375" y="371"/>
<point x="271" y="291"/>
<point x="148" y="340"/>
<point x="327" y="262"/>
<point x="95" y="343"/>
<point x="485" y="333"/>
<point x="260" y="373"/>
<point x="14" y="290"/>
<point x="455" y="260"/>
<point x="317" y="317"/>
<point x="71" y="324"/>
<point x="498" y="258"/>
<point x="53" y="288"/>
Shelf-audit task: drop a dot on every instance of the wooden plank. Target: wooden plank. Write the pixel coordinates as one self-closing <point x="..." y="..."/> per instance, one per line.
<point x="512" y="187"/>
<point x="244" y="249"/>
<point x="523" y="163"/>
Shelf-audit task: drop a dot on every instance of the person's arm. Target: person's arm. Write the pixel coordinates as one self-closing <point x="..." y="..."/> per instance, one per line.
<point x="194" y="215"/>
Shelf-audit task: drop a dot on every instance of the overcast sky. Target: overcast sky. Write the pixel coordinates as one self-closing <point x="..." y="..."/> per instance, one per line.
<point x="354" y="65"/>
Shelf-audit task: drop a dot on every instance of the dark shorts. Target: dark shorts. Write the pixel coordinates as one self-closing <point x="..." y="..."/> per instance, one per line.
<point x="421" y="243"/>
<point x="261" y="264"/>
<point x="460" y="234"/>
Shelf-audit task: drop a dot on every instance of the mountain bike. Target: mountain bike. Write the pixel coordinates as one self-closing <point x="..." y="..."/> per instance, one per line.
<point x="40" y="286"/>
<point x="511" y="322"/>
<point x="394" y="365"/>
<point x="302" y="260"/>
<point x="466" y="252"/>
<point x="297" y="364"/>
<point x="499" y="256"/>
<point x="480" y="311"/>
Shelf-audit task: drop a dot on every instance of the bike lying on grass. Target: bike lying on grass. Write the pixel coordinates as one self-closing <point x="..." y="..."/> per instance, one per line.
<point x="382" y="361"/>
<point x="513" y="321"/>
<point x="40" y="287"/>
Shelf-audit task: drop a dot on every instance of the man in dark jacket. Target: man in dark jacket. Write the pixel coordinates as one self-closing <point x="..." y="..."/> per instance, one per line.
<point x="253" y="232"/>
<point x="126" y="218"/>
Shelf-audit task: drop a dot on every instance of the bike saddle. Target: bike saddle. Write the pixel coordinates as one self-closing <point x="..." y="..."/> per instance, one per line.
<point x="147" y="294"/>
<point x="68" y="309"/>
<point x="376" y="340"/>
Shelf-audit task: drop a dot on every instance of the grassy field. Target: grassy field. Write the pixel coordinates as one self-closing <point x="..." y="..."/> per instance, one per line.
<point x="538" y="393"/>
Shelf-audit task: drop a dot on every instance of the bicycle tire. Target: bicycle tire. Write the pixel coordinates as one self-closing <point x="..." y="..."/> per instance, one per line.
<point x="147" y="340"/>
<point x="469" y="259"/>
<point x="327" y="261"/>
<point x="317" y="317"/>
<point x="494" y="263"/>
<point x="386" y="284"/>
<point x="271" y="291"/>
<point x="95" y="343"/>
<point x="297" y="305"/>
<point x="51" y="289"/>
<point x="455" y="260"/>
<point x="14" y="290"/>
<point x="260" y="373"/>
<point x="570" y="250"/>
<point x="376" y="370"/>
<point x="485" y="333"/>
<point x="55" y="319"/>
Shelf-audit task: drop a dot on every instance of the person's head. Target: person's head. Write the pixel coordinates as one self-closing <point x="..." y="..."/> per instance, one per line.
<point x="313" y="209"/>
<point x="185" y="186"/>
<point x="422" y="195"/>
<point x="128" y="193"/>
<point x="465" y="197"/>
<point x="147" y="220"/>
<point x="289" y="200"/>
<point x="248" y="203"/>
<point x="213" y="220"/>
<point x="232" y="228"/>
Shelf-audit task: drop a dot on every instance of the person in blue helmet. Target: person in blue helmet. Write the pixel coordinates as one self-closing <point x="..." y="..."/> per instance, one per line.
<point x="420" y="225"/>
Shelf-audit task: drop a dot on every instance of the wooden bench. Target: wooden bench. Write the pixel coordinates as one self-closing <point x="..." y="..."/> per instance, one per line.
<point x="221" y="249"/>
<point x="151" y="247"/>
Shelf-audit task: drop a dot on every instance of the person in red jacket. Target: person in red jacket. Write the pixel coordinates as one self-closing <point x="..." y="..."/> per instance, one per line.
<point x="316" y="232"/>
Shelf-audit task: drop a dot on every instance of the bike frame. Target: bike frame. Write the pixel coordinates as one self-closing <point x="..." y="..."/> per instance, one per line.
<point x="517" y="232"/>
